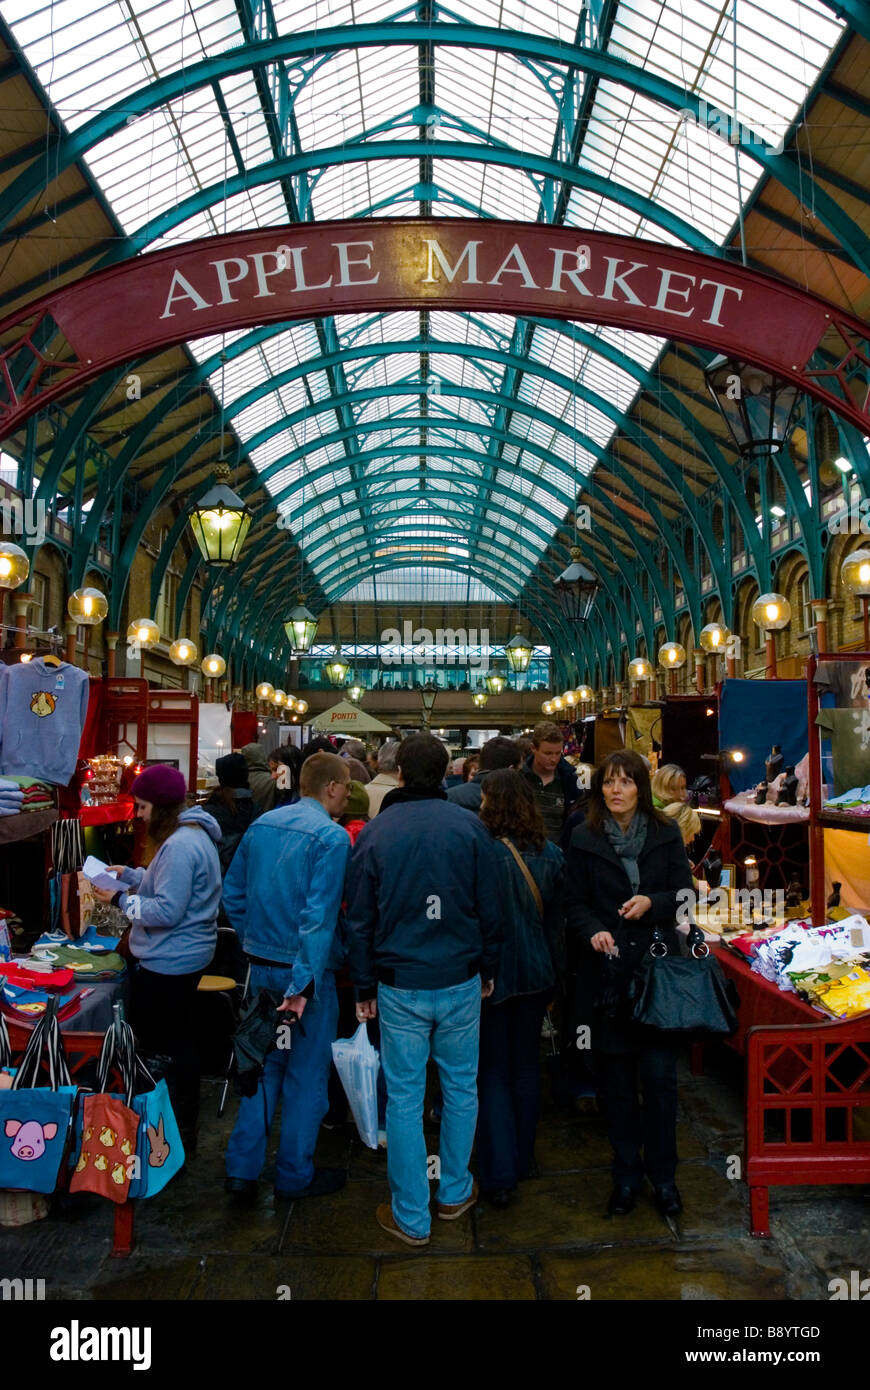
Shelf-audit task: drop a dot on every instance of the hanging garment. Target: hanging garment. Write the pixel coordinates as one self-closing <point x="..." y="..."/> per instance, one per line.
<point x="847" y="681"/>
<point x="849" y="732"/>
<point x="42" y="714"/>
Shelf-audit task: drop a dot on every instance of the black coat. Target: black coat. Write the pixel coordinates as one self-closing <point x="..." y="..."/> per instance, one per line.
<point x="596" y="886"/>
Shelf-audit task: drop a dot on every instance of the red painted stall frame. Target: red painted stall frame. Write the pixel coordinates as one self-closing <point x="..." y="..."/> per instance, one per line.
<point x="81" y="1048"/>
<point x="804" y="1088"/>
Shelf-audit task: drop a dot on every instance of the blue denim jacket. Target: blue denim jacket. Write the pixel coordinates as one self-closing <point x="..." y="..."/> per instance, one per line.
<point x="284" y="888"/>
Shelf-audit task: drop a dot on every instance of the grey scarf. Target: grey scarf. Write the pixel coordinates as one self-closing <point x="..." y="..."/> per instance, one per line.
<point x="627" y="844"/>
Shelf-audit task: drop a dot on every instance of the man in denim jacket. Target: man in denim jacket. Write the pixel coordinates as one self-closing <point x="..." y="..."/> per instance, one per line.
<point x="282" y="893"/>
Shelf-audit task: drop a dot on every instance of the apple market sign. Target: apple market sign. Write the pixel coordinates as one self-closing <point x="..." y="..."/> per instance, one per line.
<point x="141" y="306"/>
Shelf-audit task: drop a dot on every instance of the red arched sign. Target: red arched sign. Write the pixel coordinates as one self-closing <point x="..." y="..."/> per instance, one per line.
<point x="301" y="271"/>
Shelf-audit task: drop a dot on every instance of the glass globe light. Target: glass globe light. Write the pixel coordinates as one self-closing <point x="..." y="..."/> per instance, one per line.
<point x="855" y="573"/>
<point x="713" y="637"/>
<point x="144" y="632"/>
<point x="265" y="691"/>
<point x="87" y="606"/>
<point x="639" y="669"/>
<point x="183" y="652"/>
<point x="14" y="565"/>
<point x="772" y="612"/>
<point x="672" y="656"/>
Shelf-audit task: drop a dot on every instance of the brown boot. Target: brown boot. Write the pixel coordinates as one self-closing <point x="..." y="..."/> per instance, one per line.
<point x="387" y="1222"/>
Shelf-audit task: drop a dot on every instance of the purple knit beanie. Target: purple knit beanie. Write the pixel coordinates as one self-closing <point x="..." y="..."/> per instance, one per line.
<point x="161" y="785"/>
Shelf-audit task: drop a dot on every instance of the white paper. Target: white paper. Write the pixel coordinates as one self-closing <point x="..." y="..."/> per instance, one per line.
<point x="95" y="870"/>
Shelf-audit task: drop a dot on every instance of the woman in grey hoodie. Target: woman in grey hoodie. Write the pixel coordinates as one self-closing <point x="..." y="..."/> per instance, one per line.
<point x="173" y="907"/>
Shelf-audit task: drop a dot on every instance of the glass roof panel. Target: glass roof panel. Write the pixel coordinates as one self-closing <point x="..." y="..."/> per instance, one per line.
<point x="91" y="53"/>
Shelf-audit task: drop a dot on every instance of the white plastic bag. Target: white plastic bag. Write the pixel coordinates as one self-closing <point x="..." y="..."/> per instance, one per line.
<point x="357" y="1063"/>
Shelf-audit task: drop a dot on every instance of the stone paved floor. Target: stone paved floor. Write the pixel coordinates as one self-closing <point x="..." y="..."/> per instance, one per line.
<point x="192" y="1243"/>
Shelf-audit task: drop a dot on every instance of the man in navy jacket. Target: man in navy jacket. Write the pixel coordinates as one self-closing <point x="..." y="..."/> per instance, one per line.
<point x="423" y="939"/>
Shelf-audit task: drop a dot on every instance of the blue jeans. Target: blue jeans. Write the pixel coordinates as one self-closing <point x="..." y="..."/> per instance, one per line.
<point x="298" y="1077"/>
<point x="417" y="1024"/>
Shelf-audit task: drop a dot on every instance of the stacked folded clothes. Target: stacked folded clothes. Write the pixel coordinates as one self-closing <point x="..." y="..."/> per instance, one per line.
<point x="11" y="798"/>
<point x="29" y="1004"/>
<point x="19" y="794"/>
<point x="35" y="975"/>
<point x="91" y="965"/>
<point x="839" y="987"/>
<point x="856" y="801"/>
<point x="90" y="940"/>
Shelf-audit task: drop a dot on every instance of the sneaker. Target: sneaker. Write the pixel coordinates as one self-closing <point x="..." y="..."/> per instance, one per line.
<point x="382" y="1138"/>
<point x="456" y="1209"/>
<point x="324" y="1182"/>
<point x="387" y="1222"/>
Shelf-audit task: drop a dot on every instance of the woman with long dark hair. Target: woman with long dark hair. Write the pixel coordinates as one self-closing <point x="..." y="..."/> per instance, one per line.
<point x="529" y="876"/>
<point x="173" y="908"/>
<point x="625" y="866"/>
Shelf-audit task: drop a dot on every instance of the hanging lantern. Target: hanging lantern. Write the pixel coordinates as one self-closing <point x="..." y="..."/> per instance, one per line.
<point x="220" y="521"/>
<point x="301" y="626"/>
<point x="14" y="565"/>
<point x="144" y="633"/>
<point x="337" y="670"/>
<point x="213" y="666"/>
<point x="495" y="683"/>
<point x="88" y="607"/>
<point x="576" y="589"/>
<point x="183" y="652"/>
<point x="713" y="637"/>
<point x="265" y="691"/>
<point x="672" y="655"/>
<point x="301" y="706"/>
<point x="756" y="405"/>
<point x="519" y="652"/>
<point x="640" y="669"/>
<point x="356" y="692"/>
<point x="479" y="698"/>
<point x="771" y="612"/>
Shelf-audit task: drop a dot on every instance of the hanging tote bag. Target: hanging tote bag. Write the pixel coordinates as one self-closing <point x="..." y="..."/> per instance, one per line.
<point x="682" y="995"/>
<point x="357" y="1063"/>
<point x="106" y="1161"/>
<point x="35" y="1120"/>
<point x="159" y="1148"/>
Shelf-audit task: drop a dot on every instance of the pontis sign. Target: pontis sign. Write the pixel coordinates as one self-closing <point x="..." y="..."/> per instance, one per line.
<point x="293" y="272"/>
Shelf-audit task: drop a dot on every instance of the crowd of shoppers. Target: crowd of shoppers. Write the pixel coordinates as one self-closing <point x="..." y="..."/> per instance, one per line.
<point x="450" y="920"/>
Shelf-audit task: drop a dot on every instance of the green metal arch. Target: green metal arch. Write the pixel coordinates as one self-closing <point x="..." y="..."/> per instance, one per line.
<point x="785" y="168"/>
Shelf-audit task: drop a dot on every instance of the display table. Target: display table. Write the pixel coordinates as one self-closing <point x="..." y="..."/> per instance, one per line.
<point x="29" y="823"/>
<point x="95" y="1012"/>
<point x="807" y="1091"/>
<point x="762" y="1004"/>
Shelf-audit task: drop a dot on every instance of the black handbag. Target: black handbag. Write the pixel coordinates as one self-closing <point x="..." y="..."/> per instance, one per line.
<point x="684" y="995"/>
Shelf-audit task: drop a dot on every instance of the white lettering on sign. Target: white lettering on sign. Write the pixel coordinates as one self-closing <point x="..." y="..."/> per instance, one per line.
<point x="179" y="287"/>
<point x="345" y="262"/>
<point x="520" y="268"/>
<point x="666" y="288"/>
<point x="721" y="291"/>
<point x="614" y="279"/>
<point x="669" y="290"/>
<point x="434" y="250"/>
